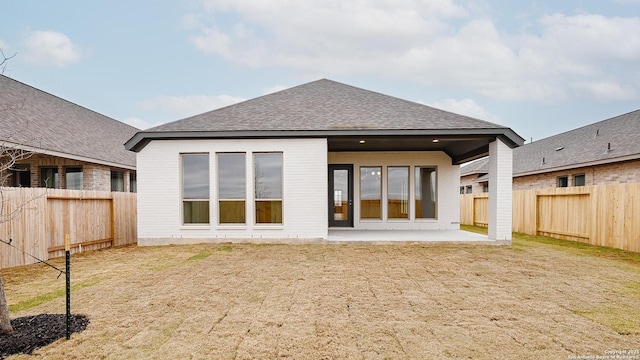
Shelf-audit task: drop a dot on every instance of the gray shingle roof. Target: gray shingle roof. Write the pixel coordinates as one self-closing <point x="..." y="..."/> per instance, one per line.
<point x="480" y="166"/>
<point x="35" y="118"/>
<point x="581" y="146"/>
<point x="350" y="118"/>
<point x="572" y="149"/>
<point x="325" y="105"/>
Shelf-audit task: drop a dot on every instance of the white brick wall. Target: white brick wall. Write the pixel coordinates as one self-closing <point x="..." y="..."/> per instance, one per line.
<point x="448" y="184"/>
<point x="304" y="199"/>
<point x="500" y="193"/>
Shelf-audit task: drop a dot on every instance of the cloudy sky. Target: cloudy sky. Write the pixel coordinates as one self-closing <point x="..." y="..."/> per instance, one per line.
<point x="539" y="67"/>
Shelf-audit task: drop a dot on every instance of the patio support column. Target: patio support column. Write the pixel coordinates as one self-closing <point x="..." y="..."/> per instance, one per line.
<point x="500" y="191"/>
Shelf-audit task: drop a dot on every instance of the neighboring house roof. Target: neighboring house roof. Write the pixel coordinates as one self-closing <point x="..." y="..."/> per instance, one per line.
<point x="47" y="124"/>
<point x="612" y="140"/>
<point x="482" y="178"/>
<point x="326" y="108"/>
<point x="480" y="166"/>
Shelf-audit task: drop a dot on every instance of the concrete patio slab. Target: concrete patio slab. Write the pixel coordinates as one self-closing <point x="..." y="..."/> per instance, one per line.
<point x="394" y="236"/>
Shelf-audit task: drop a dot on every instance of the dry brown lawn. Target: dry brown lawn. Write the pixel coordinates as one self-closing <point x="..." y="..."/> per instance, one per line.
<point x="406" y="301"/>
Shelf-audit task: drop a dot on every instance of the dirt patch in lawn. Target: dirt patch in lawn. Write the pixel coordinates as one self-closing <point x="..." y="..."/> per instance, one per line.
<point x="231" y="301"/>
<point x="32" y="332"/>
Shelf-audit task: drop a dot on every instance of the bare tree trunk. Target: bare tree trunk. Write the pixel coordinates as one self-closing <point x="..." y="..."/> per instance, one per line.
<point x="5" y="322"/>
<point x="5" y="165"/>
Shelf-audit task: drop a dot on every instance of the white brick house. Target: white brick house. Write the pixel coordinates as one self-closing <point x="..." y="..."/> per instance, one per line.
<point x="290" y="166"/>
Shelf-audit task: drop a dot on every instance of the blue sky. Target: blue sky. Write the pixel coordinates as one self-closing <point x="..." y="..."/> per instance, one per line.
<point x="539" y="67"/>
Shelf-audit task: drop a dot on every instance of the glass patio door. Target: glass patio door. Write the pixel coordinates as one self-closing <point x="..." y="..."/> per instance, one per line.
<point x="341" y="195"/>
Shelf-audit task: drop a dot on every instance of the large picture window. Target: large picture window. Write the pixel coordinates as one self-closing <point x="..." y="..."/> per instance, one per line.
<point x="195" y="188"/>
<point x="398" y="192"/>
<point x="426" y="199"/>
<point x="371" y="192"/>
<point x="232" y="188"/>
<point x="268" y="188"/>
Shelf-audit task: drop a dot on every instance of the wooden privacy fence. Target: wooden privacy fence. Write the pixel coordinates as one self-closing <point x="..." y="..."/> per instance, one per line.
<point x="37" y="219"/>
<point x="605" y="215"/>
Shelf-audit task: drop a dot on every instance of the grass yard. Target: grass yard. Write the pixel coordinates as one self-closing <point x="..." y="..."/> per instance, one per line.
<point x="538" y="299"/>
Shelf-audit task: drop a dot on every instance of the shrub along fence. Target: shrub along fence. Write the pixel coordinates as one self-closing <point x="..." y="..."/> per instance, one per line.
<point x="39" y="219"/>
<point x="605" y="215"/>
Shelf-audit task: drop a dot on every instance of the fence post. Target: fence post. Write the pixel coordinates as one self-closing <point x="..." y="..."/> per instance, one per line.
<point x="67" y="247"/>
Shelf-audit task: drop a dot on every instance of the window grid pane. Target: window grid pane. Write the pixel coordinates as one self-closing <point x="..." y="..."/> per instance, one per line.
<point x="73" y="178"/>
<point x="232" y="211"/>
<point x="268" y="176"/>
<point x="195" y="176"/>
<point x="426" y="199"/>
<point x="117" y="181"/>
<point x="49" y="178"/>
<point x="195" y="212"/>
<point x="563" y="181"/>
<point x="133" y="182"/>
<point x="269" y="212"/>
<point x="398" y="192"/>
<point x="232" y="176"/>
<point x="371" y="192"/>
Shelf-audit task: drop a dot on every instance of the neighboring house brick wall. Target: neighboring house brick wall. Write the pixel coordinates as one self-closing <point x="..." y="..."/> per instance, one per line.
<point x="94" y="176"/>
<point x="476" y="187"/>
<point x="467" y="180"/>
<point x="305" y="206"/>
<point x="617" y="173"/>
<point x="614" y="173"/>
<point x="97" y="177"/>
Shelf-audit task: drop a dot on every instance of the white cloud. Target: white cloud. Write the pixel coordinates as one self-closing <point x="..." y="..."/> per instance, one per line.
<point x="139" y="123"/>
<point x="438" y="42"/>
<point x="189" y="105"/>
<point x="273" y="89"/>
<point x="466" y="107"/>
<point x="604" y="91"/>
<point x="50" y="48"/>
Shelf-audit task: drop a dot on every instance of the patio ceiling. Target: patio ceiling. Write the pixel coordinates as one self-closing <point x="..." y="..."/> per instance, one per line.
<point x="461" y="149"/>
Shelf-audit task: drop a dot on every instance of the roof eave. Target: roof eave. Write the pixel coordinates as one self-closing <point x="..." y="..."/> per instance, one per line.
<point x="579" y="165"/>
<point x="141" y="139"/>
<point x="36" y="150"/>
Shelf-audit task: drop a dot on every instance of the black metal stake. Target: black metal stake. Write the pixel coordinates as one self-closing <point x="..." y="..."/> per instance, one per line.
<point x="68" y="274"/>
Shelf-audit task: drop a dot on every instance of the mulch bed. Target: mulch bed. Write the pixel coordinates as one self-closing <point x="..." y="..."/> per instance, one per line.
<point x="32" y="332"/>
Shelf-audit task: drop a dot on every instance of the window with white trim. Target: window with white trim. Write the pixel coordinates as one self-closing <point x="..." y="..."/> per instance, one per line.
<point x="268" y="187"/>
<point x="426" y="192"/>
<point x="195" y="188"/>
<point x="371" y="192"/>
<point x="73" y="178"/>
<point x="232" y="189"/>
<point x="398" y="192"/>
